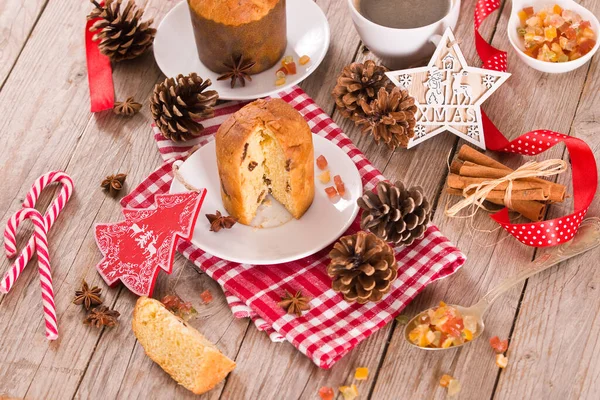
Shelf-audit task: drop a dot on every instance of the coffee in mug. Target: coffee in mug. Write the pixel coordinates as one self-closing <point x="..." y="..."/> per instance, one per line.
<point x="404" y="14"/>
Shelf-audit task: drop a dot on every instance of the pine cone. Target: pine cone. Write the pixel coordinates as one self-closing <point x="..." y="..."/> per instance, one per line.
<point x="359" y="82"/>
<point x="177" y="104"/>
<point x="394" y="213"/>
<point x="363" y="267"/>
<point x="121" y="33"/>
<point x="390" y="117"/>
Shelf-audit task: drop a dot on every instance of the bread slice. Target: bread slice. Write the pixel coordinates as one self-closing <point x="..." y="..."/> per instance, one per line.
<point x="180" y="350"/>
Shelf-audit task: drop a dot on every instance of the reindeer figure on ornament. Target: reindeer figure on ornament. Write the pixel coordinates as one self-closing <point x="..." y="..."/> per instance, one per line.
<point x="459" y="88"/>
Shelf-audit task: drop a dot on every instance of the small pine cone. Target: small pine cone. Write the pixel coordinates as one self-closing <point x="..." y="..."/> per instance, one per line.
<point x="177" y="105"/>
<point x="363" y="267"/>
<point x="390" y="117"/>
<point x="358" y="82"/>
<point x="394" y="213"/>
<point x="121" y="34"/>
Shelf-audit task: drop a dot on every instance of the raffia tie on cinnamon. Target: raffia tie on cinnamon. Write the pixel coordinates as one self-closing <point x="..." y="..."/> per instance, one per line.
<point x="477" y="193"/>
<point x="479" y="178"/>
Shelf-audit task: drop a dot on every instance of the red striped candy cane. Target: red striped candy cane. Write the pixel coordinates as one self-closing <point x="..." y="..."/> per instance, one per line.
<point x="41" y="248"/>
<point x="10" y="242"/>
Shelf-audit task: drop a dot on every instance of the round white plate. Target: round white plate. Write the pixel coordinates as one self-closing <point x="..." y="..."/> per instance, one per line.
<point x="320" y="226"/>
<point x="307" y="33"/>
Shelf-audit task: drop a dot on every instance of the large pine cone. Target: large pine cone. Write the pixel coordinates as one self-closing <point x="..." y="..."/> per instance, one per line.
<point x="363" y="267"/>
<point x="121" y="33"/>
<point x="395" y="214"/>
<point x="178" y="104"/>
<point x="390" y="117"/>
<point x="358" y="82"/>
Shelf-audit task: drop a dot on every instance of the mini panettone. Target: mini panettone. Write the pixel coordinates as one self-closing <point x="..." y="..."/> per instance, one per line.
<point x="253" y="29"/>
<point x="265" y="148"/>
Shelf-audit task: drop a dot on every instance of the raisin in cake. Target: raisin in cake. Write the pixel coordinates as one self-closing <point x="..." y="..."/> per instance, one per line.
<point x="254" y="29"/>
<point x="265" y="147"/>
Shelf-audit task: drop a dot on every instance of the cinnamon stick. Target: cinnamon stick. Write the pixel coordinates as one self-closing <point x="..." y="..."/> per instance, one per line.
<point x="460" y="182"/>
<point x="532" y="210"/>
<point x="467" y="153"/>
<point x="455" y="166"/>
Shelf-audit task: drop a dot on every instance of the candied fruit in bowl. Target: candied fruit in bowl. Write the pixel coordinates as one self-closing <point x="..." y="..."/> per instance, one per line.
<point x="554" y="34"/>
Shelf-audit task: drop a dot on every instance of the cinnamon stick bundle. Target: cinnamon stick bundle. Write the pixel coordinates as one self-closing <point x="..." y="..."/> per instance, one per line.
<point x="529" y="196"/>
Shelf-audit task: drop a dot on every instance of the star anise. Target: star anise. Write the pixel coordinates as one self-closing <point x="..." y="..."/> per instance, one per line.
<point x="294" y="304"/>
<point x="102" y="316"/>
<point x="87" y="296"/>
<point x="219" y="221"/>
<point x="127" y="108"/>
<point x="114" y="183"/>
<point x="238" y="70"/>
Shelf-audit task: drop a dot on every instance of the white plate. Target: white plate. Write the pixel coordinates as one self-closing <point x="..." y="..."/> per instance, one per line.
<point x="320" y="226"/>
<point x="307" y="33"/>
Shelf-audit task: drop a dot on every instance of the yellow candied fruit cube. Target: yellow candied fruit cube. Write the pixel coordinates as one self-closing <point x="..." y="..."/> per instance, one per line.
<point x="542" y="15"/>
<point x="349" y="392"/>
<point x="447" y="343"/>
<point x="304" y="59"/>
<point x="529" y="37"/>
<point x="325" y="177"/>
<point x="415" y="335"/>
<point x="467" y="334"/>
<point x="522" y="16"/>
<point x="550" y="33"/>
<point x="280" y="81"/>
<point x="442" y="304"/>
<point x="361" y="373"/>
<point x="557" y="9"/>
<point x="286" y="60"/>
<point x="453" y="387"/>
<point x="445" y="380"/>
<point x="588" y="33"/>
<point x="501" y="360"/>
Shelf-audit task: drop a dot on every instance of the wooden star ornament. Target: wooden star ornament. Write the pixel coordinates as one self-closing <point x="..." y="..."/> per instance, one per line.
<point x="448" y="93"/>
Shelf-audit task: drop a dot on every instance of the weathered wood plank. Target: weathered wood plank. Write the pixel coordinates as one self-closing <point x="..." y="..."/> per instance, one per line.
<point x="17" y="19"/>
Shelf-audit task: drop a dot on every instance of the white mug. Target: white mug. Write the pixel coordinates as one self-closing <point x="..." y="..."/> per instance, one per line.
<point x="402" y="48"/>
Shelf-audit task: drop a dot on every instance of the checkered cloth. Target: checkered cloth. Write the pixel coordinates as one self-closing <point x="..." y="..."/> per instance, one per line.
<point x="332" y="327"/>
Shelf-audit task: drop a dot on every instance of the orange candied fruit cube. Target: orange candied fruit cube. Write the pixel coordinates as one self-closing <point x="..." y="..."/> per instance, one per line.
<point x="290" y="67"/>
<point x="324" y="177"/>
<point x="339" y="185"/>
<point x="321" y="162"/>
<point x="557" y="9"/>
<point x="304" y="60"/>
<point x="280" y="71"/>
<point x="361" y="373"/>
<point x="445" y="380"/>
<point x="326" y="393"/>
<point x="522" y="16"/>
<point x="331" y="192"/>
<point x="499" y="346"/>
<point x="206" y="296"/>
<point x="528" y="11"/>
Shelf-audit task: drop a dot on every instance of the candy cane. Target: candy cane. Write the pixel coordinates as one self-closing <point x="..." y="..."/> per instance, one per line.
<point x="10" y="242"/>
<point x="41" y="247"/>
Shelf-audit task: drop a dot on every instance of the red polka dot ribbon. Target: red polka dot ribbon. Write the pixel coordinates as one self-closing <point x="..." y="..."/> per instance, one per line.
<point x="583" y="165"/>
<point x="102" y="94"/>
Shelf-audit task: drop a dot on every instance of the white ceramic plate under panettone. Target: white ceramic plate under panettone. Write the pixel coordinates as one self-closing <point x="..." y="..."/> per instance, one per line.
<point x="307" y="34"/>
<point x="282" y="238"/>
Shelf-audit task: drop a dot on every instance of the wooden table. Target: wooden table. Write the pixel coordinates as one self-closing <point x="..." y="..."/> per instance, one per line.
<point x="553" y="320"/>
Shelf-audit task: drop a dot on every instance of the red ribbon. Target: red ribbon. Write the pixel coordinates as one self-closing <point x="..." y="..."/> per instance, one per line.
<point x="583" y="165"/>
<point x="102" y="94"/>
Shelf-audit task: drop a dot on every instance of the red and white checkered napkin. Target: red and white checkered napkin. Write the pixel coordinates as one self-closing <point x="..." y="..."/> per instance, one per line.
<point x="332" y="327"/>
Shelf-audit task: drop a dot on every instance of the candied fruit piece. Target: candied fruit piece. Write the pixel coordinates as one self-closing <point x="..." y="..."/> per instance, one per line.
<point x="304" y="60"/>
<point x="528" y="11"/>
<point x="280" y="74"/>
<point x="349" y="392"/>
<point x="453" y="326"/>
<point x="550" y="33"/>
<point x="402" y="319"/>
<point x="445" y="380"/>
<point x="588" y="33"/>
<point x="447" y="342"/>
<point x="467" y="335"/>
<point x="339" y="185"/>
<point x="290" y="67"/>
<point x="574" y="55"/>
<point x="286" y="59"/>
<point x="470" y="323"/>
<point x="331" y="192"/>
<point x="325" y="177"/>
<point x="453" y="387"/>
<point x="586" y="46"/>
<point x="499" y="346"/>
<point x="522" y="16"/>
<point x="321" y="162"/>
<point x="326" y="393"/>
<point x="206" y="296"/>
<point x="280" y="81"/>
<point x="501" y="361"/>
<point x="570" y="33"/>
<point x="557" y="9"/>
<point x="571" y="16"/>
<point x="534" y="21"/>
<point x="442" y="304"/>
<point x="361" y="374"/>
